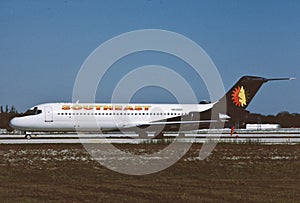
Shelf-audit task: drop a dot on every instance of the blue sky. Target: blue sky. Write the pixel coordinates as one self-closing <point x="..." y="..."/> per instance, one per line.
<point x="44" y="43"/>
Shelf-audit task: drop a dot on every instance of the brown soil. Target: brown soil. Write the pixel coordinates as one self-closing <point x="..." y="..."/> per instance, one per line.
<point x="233" y="173"/>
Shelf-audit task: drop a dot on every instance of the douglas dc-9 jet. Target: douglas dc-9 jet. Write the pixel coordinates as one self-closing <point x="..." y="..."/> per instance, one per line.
<point x="141" y="118"/>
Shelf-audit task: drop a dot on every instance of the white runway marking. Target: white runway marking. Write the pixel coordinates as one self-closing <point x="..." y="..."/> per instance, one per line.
<point x="133" y="138"/>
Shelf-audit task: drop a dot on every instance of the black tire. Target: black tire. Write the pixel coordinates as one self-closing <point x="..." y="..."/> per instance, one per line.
<point x="28" y="136"/>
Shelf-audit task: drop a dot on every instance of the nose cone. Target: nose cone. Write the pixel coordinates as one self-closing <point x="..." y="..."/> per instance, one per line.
<point x="15" y="123"/>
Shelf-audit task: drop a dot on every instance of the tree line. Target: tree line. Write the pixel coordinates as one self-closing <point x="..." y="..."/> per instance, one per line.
<point x="283" y="118"/>
<point x="6" y="114"/>
<point x="12" y="109"/>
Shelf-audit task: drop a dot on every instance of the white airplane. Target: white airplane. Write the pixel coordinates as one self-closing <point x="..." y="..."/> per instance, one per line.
<point x="68" y="117"/>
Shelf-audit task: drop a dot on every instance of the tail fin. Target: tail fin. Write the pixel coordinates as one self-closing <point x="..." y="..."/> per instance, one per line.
<point x="241" y="94"/>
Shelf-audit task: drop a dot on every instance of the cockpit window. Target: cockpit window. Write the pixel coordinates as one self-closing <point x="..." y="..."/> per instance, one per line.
<point x="34" y="111"/>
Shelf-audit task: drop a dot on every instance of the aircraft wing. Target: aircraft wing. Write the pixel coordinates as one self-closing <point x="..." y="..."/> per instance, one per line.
<point x="185" y="122"/>
<point x="169" y="123"/>
<point x="182" y="122"/>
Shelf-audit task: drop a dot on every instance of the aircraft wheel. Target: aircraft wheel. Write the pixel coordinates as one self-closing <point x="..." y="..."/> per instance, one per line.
<point x="28" y="137"/>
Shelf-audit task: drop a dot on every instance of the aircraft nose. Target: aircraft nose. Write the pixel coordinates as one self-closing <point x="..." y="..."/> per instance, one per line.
<point x="15" y="123"/>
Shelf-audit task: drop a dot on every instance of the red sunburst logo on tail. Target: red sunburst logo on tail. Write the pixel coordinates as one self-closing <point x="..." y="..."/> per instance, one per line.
<point x="239" y="96"/>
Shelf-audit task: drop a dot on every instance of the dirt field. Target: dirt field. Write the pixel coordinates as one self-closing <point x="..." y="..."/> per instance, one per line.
<point x="233" y="173"/>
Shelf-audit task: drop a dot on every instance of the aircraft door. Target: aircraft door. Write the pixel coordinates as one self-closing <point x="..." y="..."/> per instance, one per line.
<point x="48" y="114"/>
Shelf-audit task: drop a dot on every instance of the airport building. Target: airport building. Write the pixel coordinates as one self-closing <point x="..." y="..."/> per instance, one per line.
<point x="262" y="126"/>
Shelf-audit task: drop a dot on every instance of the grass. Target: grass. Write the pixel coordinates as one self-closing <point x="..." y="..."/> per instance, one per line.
<point x="164" y="141"/>
<point x="233" y="173"/>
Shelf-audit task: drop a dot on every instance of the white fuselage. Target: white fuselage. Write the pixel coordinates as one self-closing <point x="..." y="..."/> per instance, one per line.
<point x="92" y="117"/>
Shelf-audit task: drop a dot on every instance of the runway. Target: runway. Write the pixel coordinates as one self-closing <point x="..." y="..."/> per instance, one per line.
<point x="134" y="139"/>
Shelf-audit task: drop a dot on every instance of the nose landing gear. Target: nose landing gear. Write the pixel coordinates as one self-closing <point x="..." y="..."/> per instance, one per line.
<point x="27" y="135"/>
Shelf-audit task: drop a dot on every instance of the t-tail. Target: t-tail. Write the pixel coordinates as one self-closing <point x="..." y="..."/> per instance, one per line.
<point x="241" y="94"/>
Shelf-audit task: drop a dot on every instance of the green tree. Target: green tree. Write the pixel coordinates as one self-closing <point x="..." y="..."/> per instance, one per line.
<point x="13" y="109"/>
<point x="6" y="116"/>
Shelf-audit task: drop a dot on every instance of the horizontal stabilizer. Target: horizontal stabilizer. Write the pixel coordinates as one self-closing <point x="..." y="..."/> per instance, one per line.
<point x="270" y="79"/>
